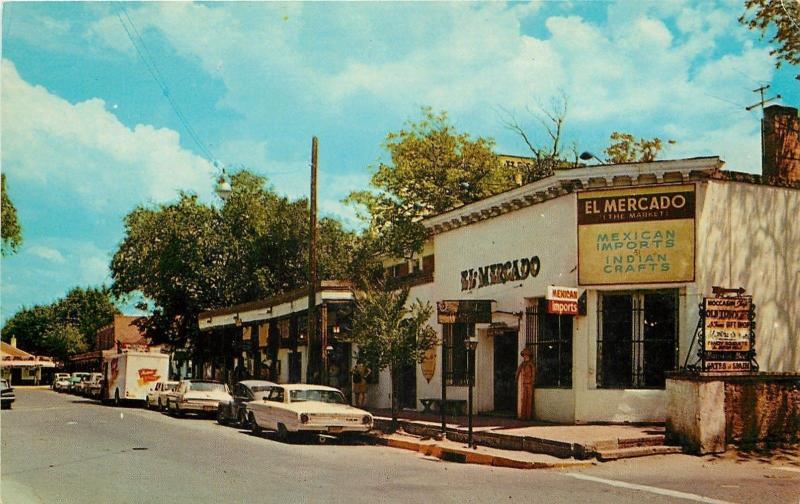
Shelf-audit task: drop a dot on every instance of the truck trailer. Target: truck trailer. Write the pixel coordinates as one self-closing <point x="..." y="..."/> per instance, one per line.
<point x="128" y="374"/>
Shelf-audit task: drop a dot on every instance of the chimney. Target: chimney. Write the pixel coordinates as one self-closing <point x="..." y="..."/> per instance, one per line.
<point x="780" y="144"/>
<point x="14" y="341"/>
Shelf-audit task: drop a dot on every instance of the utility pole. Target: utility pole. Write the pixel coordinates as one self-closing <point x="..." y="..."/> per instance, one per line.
<point x="314" y="350"/>
<point x="763" y="101"/>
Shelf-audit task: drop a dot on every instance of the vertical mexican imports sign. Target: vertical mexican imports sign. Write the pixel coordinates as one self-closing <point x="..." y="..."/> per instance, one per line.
<point x="636" y="235"/>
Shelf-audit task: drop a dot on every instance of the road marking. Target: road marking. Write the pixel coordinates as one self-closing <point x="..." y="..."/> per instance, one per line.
<point x="645" y="488"/>
<point x="791" y="469"/>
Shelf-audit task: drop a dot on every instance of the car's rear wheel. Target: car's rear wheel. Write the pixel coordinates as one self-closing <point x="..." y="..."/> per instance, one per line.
<point x="116" y="397"/>
<point x="160" y="405"/>
<point x="221" y="416"/>
<point x="254" y="425"/>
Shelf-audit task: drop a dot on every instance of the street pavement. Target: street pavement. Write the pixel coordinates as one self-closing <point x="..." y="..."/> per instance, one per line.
<point x="64" y="449"/>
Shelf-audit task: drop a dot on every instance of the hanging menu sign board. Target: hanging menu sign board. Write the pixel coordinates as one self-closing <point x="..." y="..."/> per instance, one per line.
<point x="728" y="333"/>
<point x="464" y="312"/>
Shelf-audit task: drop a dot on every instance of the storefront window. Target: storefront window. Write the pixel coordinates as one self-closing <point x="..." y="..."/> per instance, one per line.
<point x="455" y="352"/>
<point x="637" y="338"/>
<point x="549" y="337"/>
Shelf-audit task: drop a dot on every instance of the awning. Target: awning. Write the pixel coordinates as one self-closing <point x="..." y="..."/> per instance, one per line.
<point x="504" y="321"/>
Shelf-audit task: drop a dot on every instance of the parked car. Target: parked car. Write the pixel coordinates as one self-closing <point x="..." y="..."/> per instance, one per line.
<point x="62" y="384"/>
<point x="83" y="387"/>
<point x="303" y="408"/>
<point x="245" y="391"/>
<point x="94" y="386"/>
<point x="75" y="379"/>
<point x="157" y="395"/>
<point x="197" y="396"/>
<point x="6" y="394"/>
<point x="57" y="377"/>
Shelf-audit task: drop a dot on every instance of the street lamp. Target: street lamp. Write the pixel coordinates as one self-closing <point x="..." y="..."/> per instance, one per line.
<point x="471" y="344"/>
<point x="328" y="353"/>
<point x="223" y="187"/>
<point x="586" y="156"/>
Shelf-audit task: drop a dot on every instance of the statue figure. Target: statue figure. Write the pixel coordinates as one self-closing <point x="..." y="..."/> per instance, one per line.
<point x="526" y="379"/>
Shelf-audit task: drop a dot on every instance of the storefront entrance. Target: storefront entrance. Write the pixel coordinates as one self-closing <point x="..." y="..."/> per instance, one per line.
<point x="505" y="369"/>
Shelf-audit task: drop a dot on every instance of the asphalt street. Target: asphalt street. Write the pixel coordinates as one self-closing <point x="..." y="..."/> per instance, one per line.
<point x="60" y="448"/>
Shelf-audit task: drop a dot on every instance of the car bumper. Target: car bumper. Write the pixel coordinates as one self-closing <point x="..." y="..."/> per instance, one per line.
<point x="334" y="429"/>
<point x="200" y="407"/>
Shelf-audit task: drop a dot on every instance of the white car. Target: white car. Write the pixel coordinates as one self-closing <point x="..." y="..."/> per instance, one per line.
<point x="302" y="408"/>
<point x="157" y="395"/>
<point x="197" y="396"/>
<point x="61" y="383"/>
<point x="62" y="377"/>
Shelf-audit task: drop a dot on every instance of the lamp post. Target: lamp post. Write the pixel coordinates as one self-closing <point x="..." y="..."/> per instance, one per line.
<point x="586" y="156"/>
<point x="471" y="344"/>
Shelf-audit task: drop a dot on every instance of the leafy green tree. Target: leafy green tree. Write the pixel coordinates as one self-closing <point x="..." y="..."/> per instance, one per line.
<point x="9" y="227"/>
<point x="64" y="327"/>
<point x="187" y="257"/>
<point x="64" y="341"/>
<point x="390" y="334"/>
<point x="625" y="148"/>
<point x="780" y="21"/>
<point x="29" y="326"/>
<point x="432" y="168"/>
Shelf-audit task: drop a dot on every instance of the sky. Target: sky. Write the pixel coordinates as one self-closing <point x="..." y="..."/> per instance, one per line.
<point x="87" y="132"/>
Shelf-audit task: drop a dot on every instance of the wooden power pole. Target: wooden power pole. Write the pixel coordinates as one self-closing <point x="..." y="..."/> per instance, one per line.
<point x="314" y="349"/>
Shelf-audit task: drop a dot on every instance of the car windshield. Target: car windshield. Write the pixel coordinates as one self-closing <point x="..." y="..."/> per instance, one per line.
<point x="326" y="396"/>
<point x="207" y="387"/>
<point x="260" y="388"/>
<point x="170" y="386"/>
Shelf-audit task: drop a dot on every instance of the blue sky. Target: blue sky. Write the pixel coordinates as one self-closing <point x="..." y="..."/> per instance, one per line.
<point x="87" y="134"/>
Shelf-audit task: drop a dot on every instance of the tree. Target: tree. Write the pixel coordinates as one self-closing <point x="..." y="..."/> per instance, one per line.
<point x="187" y="257"/>
<point x="432" y="168"/>
<point x="782" y="20"/>
<point x="64" y="341"/>
<point x="624" y="148"/>
<point x="547" y="155"/>
<point x="9" y="227"/>
<point x="390" y="334"/>
<point x="65" y="327"/>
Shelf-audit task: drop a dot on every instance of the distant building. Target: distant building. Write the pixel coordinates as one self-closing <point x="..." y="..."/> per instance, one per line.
<point x="21" y="368"/>
<point x="122" y="332"/>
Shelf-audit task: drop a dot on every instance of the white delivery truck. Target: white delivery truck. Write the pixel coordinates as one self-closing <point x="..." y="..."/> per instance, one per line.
<point x="128" y="374"/>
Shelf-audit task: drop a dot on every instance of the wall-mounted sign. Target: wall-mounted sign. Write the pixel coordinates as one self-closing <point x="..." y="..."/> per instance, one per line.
<point x="428" y="363"/>
<point x="636" y="235"/>
<point x="500" y="273"/>
<point x="465" y="311"/>
<point x="728" y="332"/>
<point x="562" y="300"/>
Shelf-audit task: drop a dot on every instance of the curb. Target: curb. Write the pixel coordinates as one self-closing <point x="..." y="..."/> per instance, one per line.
<point x="466" y="456"/>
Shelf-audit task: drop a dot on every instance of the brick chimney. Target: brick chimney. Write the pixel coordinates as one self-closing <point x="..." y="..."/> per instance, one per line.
<point x="780" y="144"/>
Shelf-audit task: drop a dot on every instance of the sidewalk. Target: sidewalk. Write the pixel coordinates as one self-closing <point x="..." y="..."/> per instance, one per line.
<point x="566" y="442"/>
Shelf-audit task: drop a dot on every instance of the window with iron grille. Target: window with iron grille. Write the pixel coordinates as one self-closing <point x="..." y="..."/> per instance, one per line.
<point x="637" y="338"/>
<point x="455" y="352"/>
<point x="549" y="338"/>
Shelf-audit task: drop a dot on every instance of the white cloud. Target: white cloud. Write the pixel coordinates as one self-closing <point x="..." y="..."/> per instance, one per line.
<point x="649" y="67"/>
<point x="81" y="152"/>
<point x="47" y="253"/>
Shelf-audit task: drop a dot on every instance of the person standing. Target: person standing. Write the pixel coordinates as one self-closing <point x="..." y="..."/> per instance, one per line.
<point x="360" y="375"/>
<point x="526" y="380"/>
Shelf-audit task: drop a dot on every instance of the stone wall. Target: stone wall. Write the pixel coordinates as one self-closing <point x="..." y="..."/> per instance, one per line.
<point x="707" y="412"/>
<point x="762" y="410"/>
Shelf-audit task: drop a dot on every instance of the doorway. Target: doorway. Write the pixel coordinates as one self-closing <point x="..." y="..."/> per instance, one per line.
<point x="505" y="370"/>
<point x="295" y="367"/>
<point x="407" y="387"/>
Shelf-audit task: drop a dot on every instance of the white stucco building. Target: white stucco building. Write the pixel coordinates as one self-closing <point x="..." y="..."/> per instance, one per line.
<point x="644" y="242"/>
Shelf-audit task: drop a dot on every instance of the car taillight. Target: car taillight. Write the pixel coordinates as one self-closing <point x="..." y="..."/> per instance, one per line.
<point x="303" y="418"/>
<point x="367" y="419"/>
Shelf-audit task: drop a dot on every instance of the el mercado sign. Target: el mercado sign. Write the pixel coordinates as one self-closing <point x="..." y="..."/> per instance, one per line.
<point x="727" y="333"/>
<point x="562" y="300"/>
<point x="636" y="235"/>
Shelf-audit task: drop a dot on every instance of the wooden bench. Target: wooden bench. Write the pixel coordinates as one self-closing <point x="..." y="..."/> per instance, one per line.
<point x="457" y="407"/>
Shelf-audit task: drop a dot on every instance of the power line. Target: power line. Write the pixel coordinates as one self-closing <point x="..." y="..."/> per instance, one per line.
<point x="149" y="62"/>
